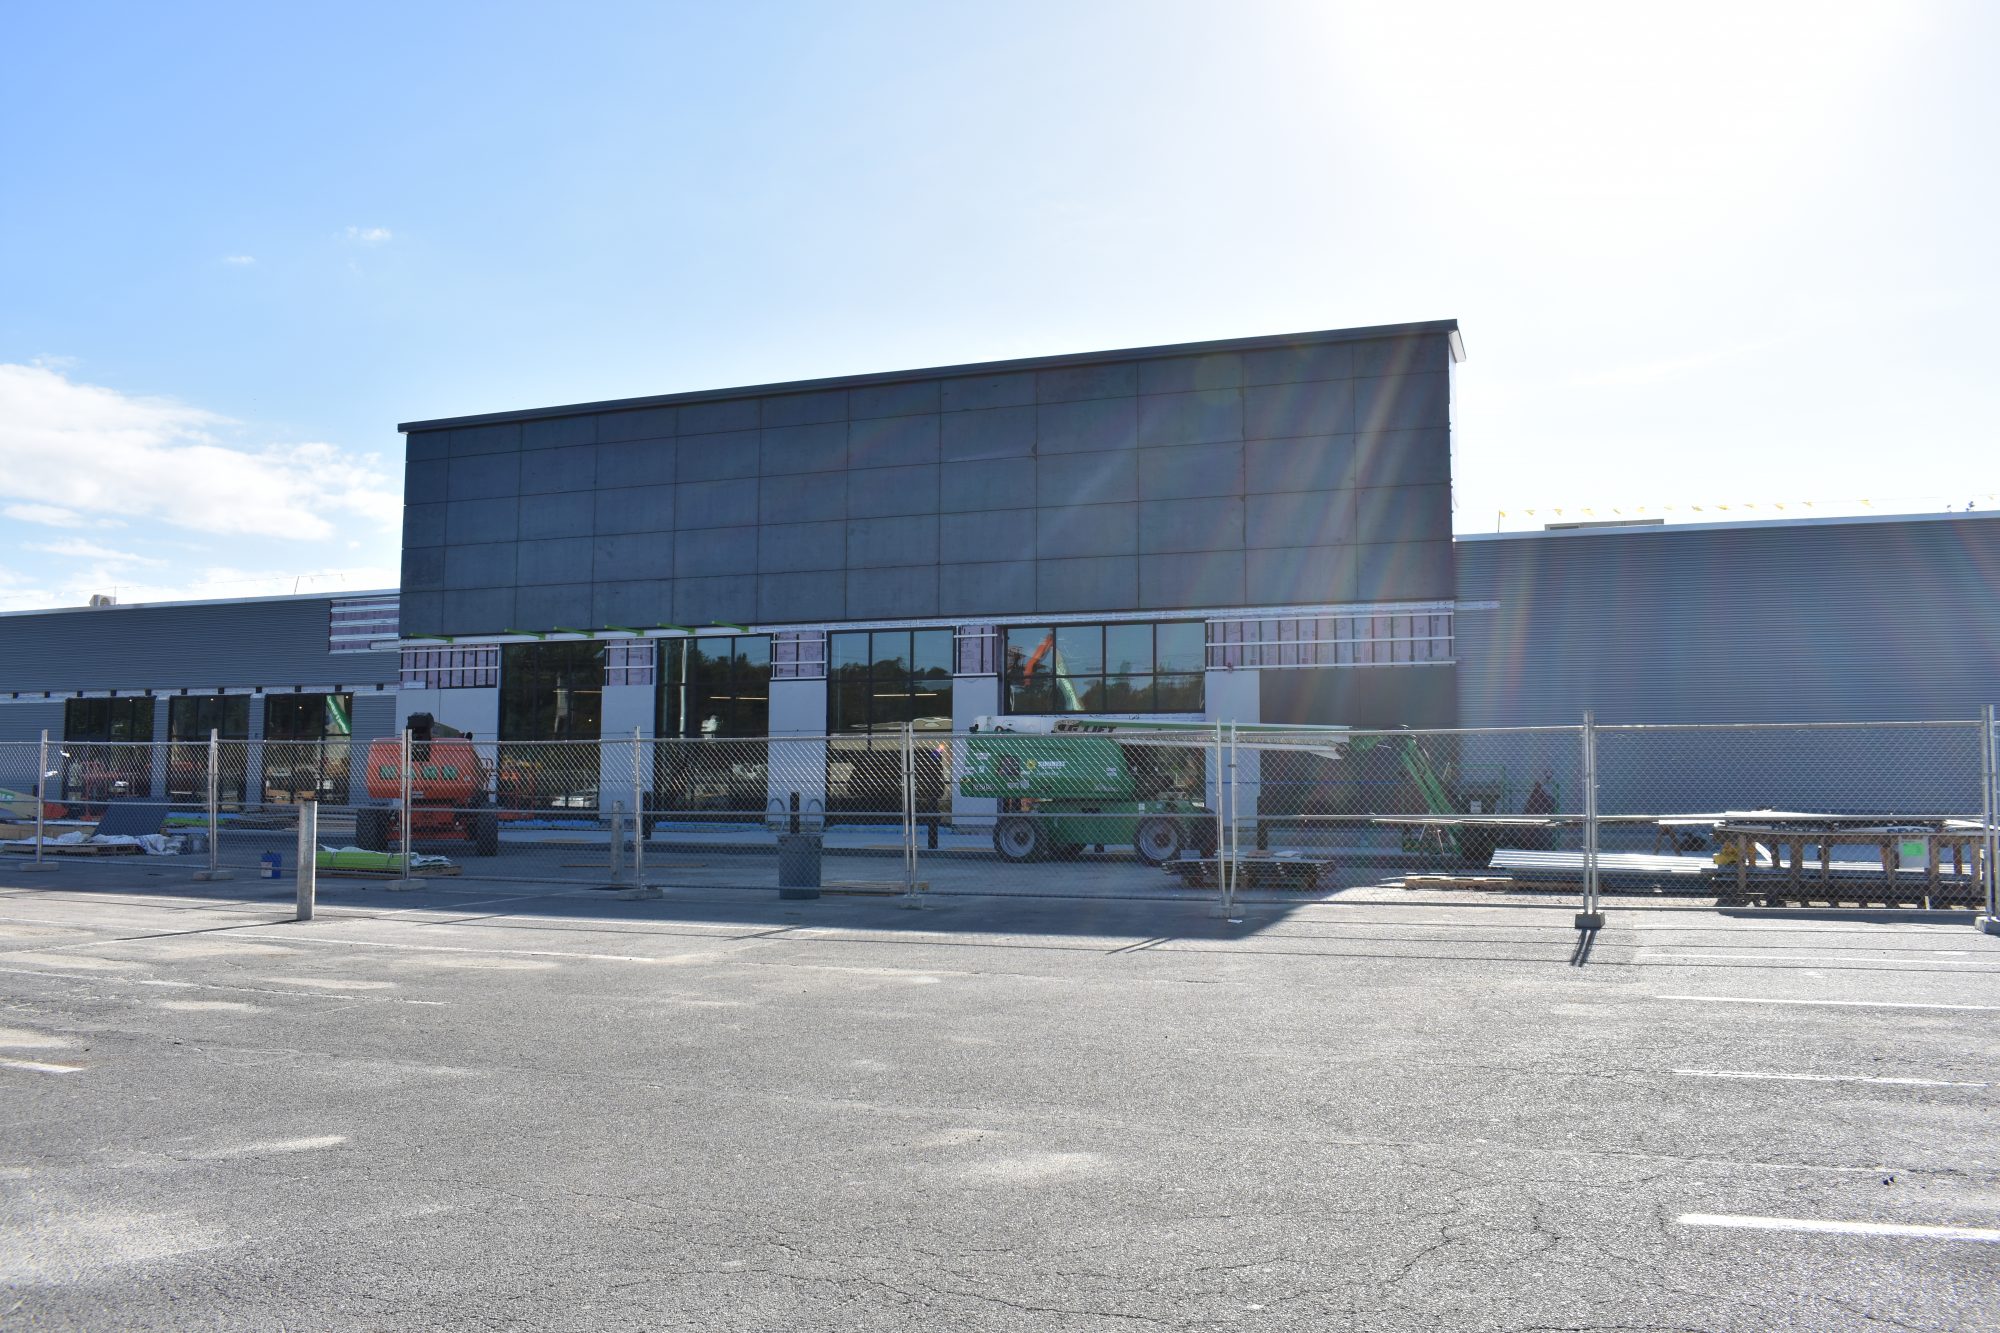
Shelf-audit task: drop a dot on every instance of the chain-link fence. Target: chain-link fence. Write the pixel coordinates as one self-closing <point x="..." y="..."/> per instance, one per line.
<point x="1863" y="814"/>
<point x="1856" y="814"/>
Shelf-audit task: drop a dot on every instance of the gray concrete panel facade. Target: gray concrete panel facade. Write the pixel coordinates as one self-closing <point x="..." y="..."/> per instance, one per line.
<point x="1307" y="469"/>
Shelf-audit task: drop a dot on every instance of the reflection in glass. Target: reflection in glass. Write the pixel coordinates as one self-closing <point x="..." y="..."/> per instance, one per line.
<point x="1128" y="648"/>
<point x="1106" y="668"/>
<point x="1180" y="647"/>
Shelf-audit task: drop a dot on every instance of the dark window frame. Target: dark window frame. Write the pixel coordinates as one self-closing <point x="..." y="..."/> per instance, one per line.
<point x="100" y="719"/>
<point x="892" y="683"/>
<point x="717" y="772"/>
<point x="695" y="678"/>
<point x="308" y="748"/>
<point x="1037" y="680"/>
<point x="533" y="676"/>
<point x="190" y="717"/>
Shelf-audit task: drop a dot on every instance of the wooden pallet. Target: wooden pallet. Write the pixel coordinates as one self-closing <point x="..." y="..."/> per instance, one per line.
<point x="83" y="849"/>
<point x="1298" y="873"/>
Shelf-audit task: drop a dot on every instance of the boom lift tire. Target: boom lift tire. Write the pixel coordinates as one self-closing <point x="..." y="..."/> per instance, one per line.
<point x="1019" y="839"/>
<point x="1157" y="841"/>
<point x="371" y="828"/>
<point x="1476" y="845"/>
<point x="486" y="834"/>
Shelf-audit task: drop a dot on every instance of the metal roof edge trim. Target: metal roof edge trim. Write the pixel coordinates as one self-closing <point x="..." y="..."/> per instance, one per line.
<point x="1007" y="620"/>
<point x="210" y="601"/>
<point x="1155" y="353"/>
<point x="1762" y="524"/>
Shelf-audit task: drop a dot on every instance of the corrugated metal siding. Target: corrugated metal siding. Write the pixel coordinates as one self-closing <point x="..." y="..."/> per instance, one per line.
<point x="1852" y="621"/>
<point x="24" y="721"/>
<point x="375" y="715"/>
<point x="277" y="643"/>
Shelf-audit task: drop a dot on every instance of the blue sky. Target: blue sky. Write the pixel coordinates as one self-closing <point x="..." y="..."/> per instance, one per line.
<point x="1709" y="259"/>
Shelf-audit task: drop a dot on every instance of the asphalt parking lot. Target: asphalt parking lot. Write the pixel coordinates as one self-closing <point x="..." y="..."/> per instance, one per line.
<point x="475" y="1109"/>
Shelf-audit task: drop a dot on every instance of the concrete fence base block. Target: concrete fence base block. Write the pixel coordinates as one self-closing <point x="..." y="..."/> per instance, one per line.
<point x="405" y="885"/>
<point x="643" y="893"/>
<point x="1989" y="924"/>
<point x="1590" y="921"/>
<point x="206" y="875"/>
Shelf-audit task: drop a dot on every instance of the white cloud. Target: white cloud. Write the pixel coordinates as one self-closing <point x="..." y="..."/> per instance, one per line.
<point x="240" y="260"/>
<point x="369" y="235"/>
<point x="49" y="516"/>
<point x="76" y="548"/>
<point x="94" y="451"/>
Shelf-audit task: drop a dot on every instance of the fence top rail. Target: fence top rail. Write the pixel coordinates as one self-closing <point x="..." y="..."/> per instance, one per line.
<point x="1786" y="726"/>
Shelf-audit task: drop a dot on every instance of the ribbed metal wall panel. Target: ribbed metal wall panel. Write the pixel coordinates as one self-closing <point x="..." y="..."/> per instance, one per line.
<point x="24" y="721"/>
<point x="1877" y="620"/>
<point x="375" y="715"/>
<point x="276" y="643"/>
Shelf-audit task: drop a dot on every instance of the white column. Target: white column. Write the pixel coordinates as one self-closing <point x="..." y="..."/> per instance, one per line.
<point x="624" y="707"/>
<point x="797" y="761"/>
<point x="972" y="697"/>
<point x="1232" y="696"/>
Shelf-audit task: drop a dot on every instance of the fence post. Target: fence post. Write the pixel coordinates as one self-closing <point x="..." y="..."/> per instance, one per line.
<point x="41" y="802"/>
<point x="214" y="806"/>
<point x="1591" y="917"/>
<point x="909" y="785"/>
<point x="1221" y="776"/>
<point x="618" y="843"/>
<point x="1989" y="773"/>
<point x="403" y="786"/>
<point x="308" y="868"/>
<point x="640" y="889"/>
<point x="1235" y="865"/>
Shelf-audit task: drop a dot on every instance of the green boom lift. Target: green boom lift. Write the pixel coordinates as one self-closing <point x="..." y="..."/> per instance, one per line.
<point x="1067" y="783"/>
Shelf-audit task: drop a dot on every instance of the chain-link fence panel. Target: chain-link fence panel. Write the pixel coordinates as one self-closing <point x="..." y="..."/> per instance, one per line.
<point x="1833" y="814"/>
<point x="99" y="801"/>
<point x="1104" y="810"/>
<point x="1990" y="843"/>
<point x="719" y="809"/>
<point x="558" y="814"/>
<point x="1438" y="813"/>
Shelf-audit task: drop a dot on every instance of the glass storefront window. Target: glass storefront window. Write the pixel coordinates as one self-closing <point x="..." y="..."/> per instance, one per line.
<point x="307" y="746"/>
<point x="714" y="687"/>
<point x="1121" y="668"/>
<point x="108" y="719"/>
<point x="104" y="751"/>
<point x="190" y="717"/>
<point x="550" y="692"/>
<point x="878" y="680"/>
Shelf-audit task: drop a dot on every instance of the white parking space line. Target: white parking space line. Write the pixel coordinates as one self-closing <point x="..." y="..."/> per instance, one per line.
<point x="1651" y="957"/>
<point x="1857" y="1004"/>
<point x="1744" y="1223"/>
<point x="503" y="953"/>
<point x="1827" y="1078"/>
<point x="40" y="1067"/>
